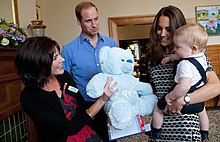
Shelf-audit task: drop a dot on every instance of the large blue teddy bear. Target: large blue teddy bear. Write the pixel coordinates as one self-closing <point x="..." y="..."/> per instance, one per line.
<point x="133" y="98"/>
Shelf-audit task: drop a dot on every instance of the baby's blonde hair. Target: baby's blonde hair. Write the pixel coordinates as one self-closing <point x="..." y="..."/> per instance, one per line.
<point x="192" y="34"/>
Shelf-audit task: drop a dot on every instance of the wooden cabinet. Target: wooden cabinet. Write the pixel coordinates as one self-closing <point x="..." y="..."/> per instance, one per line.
<point x="10" y="89"/>
<point x="10" y="84"/>
<point x="213" y="53"/>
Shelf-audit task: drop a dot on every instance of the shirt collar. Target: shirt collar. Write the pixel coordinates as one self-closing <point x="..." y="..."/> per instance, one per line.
<point x="83" y="38"/>
<point x="196" y="55"/>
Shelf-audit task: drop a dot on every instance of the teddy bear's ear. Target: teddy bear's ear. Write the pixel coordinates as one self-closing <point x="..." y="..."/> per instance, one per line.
<point x="128" y="50"/>
<point x="129" y="53"/>
<point x="103" y="53"/>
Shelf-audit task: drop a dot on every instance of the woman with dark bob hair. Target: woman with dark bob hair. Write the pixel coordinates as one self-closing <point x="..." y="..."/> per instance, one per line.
<point x="50" y="97"/>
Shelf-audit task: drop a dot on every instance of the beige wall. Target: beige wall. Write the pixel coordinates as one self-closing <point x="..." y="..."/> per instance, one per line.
<point x="26" y="12"/>
<point x="59" y="17"/>
<point x="6" y="10"/>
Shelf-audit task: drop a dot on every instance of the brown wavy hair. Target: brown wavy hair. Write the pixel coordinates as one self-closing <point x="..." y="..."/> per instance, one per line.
<point x="177" y="19"/>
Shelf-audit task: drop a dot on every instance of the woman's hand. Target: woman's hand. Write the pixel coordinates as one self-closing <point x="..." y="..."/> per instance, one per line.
<point x="109" y="89"/>
<point x="175" y="107"/>
<point x="107" y="93"/>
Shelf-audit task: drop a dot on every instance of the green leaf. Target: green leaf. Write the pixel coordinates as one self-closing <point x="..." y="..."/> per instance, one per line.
<point x="4" y="27"/>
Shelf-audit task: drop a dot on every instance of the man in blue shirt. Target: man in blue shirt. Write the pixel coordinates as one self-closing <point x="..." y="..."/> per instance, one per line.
<point x="82" y="59"/>
<point x="82" y="56"/>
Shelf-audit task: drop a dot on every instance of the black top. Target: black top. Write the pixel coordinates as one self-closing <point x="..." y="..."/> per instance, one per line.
<point x="45" y="109"/>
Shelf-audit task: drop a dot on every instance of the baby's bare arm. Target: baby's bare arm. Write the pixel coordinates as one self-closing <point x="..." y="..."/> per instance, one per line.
<point x="170" y="58"/>
<point x="180" y="90"/>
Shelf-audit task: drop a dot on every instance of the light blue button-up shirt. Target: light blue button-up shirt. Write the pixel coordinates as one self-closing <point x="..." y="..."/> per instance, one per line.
<point x="82" y="60"/>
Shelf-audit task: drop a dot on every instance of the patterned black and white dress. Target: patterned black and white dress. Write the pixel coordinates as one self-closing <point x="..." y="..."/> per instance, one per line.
<point x="184" y="128"/>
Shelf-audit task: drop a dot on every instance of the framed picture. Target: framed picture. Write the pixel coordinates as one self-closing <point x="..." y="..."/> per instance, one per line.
<point x="209" y="18"/>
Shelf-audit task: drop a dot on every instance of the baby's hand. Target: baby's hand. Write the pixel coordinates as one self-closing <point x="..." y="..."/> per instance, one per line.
<point x="165" y="60"/>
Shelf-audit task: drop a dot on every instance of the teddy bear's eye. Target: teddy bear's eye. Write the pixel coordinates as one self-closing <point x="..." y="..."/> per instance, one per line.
<point x="122" y="60"/>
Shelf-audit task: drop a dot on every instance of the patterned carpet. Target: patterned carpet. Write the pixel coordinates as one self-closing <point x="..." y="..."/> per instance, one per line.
<point x="214" y="131"/>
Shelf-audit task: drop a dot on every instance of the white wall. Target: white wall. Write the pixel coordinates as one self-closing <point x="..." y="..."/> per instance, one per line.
<point x="59" y="16"/>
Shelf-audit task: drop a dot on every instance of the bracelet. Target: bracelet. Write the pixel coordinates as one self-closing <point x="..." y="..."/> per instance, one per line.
<point x="87" y="111"/>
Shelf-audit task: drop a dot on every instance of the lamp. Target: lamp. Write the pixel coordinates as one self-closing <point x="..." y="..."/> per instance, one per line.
<point x="37" y="28"/>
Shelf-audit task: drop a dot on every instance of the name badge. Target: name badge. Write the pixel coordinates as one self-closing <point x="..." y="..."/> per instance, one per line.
<point x="73" y="89"/>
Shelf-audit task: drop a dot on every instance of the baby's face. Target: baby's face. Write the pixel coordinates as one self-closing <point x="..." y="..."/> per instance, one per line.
<point x="182" y="49"/>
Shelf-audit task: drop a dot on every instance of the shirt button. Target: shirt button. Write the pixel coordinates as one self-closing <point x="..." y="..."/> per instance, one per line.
<point x="97" y="64"/>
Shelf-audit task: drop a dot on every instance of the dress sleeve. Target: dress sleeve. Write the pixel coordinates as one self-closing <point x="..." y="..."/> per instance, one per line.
<point x="210" y="67"/>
